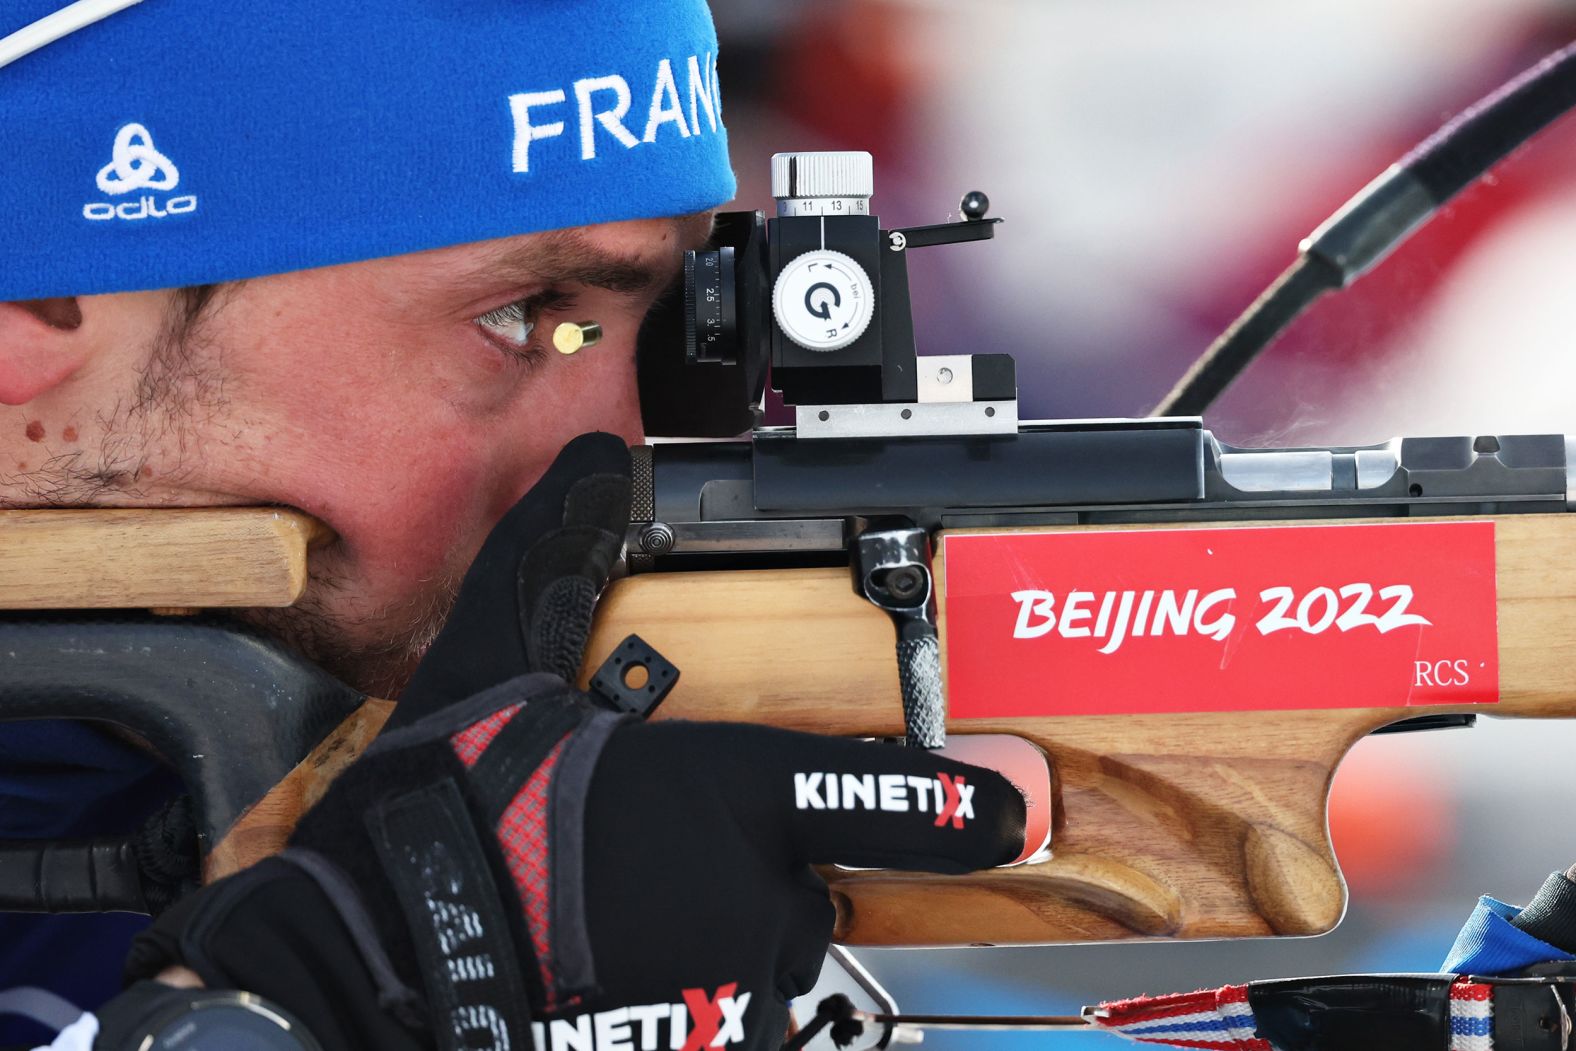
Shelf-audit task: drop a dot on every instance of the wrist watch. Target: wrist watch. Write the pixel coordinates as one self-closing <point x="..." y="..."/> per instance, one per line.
<point x="151" y="1016"/>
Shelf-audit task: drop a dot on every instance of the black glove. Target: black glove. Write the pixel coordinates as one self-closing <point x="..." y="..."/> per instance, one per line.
<point x="508" y="861"/>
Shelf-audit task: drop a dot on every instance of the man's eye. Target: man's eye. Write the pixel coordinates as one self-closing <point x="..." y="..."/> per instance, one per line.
<point x="512" y="326"/>
<point x="509" y="322"/>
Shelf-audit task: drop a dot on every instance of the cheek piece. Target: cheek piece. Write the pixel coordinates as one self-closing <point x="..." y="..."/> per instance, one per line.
<point x="511" y="865"/>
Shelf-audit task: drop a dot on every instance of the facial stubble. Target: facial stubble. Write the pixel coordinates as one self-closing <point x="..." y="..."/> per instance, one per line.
<point x="170" y="420"/>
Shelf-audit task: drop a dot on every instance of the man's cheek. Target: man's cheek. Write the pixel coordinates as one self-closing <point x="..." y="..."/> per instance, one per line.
<point x="414" y="503"/>
<point x="415" y="497"/>
<point x="415" y="517"/>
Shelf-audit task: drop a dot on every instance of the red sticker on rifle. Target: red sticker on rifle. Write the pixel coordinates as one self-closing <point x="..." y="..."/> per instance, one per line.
<point x="1205" y="620"/>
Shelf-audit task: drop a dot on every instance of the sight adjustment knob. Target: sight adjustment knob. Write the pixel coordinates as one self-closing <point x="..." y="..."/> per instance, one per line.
<point x="823" y="183"/>
<point x="711" y="312"/>
<point x="822" y="300"/>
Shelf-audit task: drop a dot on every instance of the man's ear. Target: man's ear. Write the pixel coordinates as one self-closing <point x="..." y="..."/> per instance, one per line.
<point x="41" y="346"/>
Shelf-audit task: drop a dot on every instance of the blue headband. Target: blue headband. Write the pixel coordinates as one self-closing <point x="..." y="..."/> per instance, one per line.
<point x="183" y="142"/>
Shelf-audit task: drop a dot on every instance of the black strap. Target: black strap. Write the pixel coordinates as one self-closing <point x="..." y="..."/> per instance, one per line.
<point x="1397" y="1012"/>
<point x="1531" y="1016"/>
<point x="438" y="868"/>
<point x="145" y="872"/>
<point x="1405" y="1012"/>
<point x="519" y="748"/>
<point x="64" y="876"/>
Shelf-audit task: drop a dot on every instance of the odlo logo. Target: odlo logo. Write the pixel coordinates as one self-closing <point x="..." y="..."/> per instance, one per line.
<point x="136" y="165"/>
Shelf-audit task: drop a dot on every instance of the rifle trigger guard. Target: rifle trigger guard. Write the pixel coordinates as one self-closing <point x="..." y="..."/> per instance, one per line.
<point x="891" y="570"/>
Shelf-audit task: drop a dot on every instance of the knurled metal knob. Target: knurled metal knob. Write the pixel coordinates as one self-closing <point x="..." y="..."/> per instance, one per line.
<point x="848" y="176"/>
<point x="657" y="538"/>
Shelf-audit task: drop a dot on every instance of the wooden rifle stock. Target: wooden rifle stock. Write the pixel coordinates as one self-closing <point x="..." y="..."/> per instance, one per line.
<point x="1198" y="825"/>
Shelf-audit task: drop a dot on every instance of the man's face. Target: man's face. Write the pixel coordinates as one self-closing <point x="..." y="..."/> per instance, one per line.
<point x="407" y="402"/>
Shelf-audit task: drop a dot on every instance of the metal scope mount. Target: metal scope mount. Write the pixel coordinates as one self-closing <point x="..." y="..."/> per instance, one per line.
<point x="821" y="293"/>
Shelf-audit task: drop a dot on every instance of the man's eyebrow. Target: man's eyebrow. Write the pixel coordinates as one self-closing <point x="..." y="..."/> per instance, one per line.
<point x="567" y="257"/>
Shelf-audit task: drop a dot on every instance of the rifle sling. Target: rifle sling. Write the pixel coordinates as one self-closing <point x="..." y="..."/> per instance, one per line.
<point x="144" y="872"/>
<point x="1381" y="1012"/>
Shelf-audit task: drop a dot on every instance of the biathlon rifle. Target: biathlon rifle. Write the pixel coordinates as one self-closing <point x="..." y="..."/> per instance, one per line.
<point x="1193" y="633"/>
